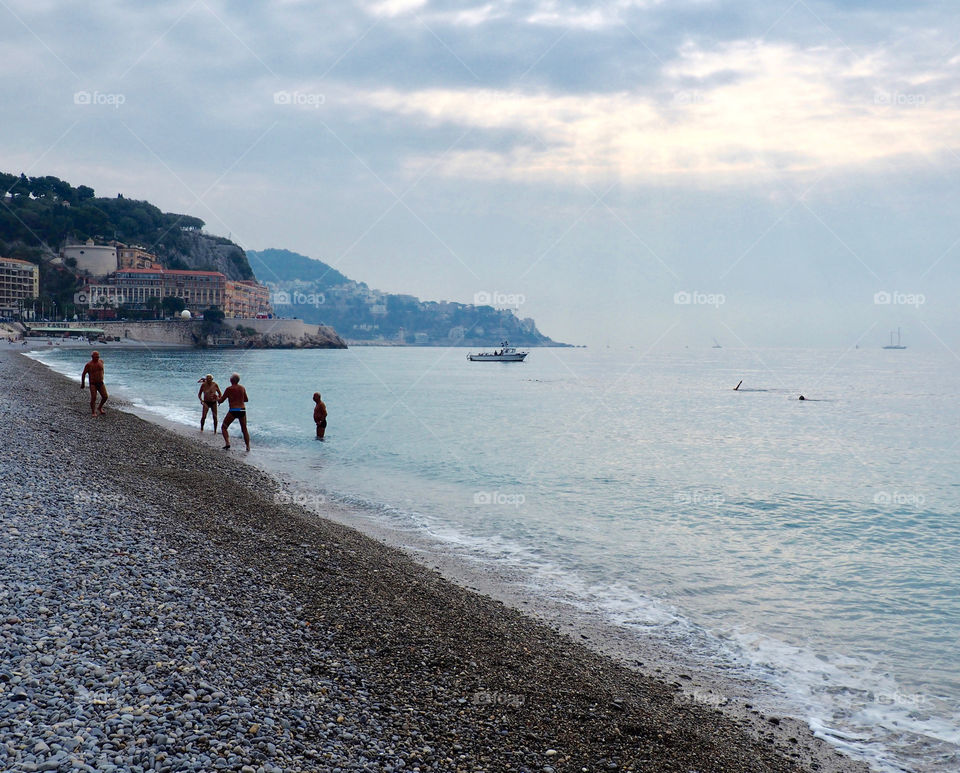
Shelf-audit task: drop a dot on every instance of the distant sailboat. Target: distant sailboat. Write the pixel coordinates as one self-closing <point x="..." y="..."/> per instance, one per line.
<point x="716" y="344"/>
<point x="898" y="345"/>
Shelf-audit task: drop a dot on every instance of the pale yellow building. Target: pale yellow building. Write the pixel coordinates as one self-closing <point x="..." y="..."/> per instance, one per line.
<point x="132" y="256"/>
<point x="247" y="299"/>
<point x="19" y="280"/>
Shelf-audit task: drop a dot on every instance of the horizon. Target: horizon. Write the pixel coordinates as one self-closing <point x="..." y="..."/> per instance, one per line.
<point x="635" y="171"/>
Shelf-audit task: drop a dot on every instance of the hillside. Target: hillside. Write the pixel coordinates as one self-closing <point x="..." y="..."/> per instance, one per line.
<point x="317" y="293"/>
<point x="285" y="266"/>
<point x="39" y="214"/>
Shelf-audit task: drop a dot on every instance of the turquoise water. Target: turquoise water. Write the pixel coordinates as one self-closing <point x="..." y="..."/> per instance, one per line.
<point x="808" y="546"/>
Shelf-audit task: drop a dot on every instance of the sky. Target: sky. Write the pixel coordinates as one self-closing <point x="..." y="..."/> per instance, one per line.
<point x="634" y="172"/>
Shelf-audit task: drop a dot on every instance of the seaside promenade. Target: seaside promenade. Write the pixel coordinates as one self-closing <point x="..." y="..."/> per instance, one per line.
<point x="162" y="609"/>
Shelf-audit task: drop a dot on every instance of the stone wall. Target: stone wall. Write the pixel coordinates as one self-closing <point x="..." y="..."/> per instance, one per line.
<point x="269" y="333"/>
<point x="177" y="332"/>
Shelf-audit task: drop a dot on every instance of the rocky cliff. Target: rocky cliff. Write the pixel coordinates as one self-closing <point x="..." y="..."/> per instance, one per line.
<point x="202" y="252"/>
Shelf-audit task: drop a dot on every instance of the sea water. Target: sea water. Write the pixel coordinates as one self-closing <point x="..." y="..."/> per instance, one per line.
<point x="808" y="550"/>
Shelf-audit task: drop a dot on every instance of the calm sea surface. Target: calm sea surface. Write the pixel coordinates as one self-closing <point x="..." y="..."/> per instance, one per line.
<point x="811" y="547"/>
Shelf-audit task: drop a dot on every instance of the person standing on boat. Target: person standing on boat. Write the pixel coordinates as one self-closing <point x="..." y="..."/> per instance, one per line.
<point x="320" y="415"/>
<point x="237" y="396"/>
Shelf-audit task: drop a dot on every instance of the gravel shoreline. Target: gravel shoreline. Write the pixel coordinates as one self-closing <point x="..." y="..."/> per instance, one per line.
<point x="162" y="609"/>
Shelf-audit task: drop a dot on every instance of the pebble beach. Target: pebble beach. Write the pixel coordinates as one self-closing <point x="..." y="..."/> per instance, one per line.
<point x="164" y="606"/>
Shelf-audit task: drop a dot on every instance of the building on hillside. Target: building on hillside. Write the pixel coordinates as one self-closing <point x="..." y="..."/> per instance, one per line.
<point x="199" y="289"/>
<point x="246" y="298"/>
<point x="19" y="280"/>
<point x="133" y="256"/>
<point x="100" y="299"/>
<point x="133" y="287"/>
<point x="137" y="285"/>
<point x="96" y="259"/>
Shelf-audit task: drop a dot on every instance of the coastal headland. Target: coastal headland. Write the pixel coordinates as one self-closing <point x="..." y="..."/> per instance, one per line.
<point x="165" y="607"/>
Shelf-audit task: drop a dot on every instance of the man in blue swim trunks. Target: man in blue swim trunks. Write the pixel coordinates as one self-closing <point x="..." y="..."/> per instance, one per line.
<point x="237" y="397"/>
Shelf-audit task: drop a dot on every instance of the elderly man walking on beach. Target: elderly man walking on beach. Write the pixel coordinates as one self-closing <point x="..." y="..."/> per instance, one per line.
<point x="94" y="369"/>
<point x="237" y="396"/>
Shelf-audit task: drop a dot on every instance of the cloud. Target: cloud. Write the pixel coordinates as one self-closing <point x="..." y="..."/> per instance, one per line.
<point x="737" y="110"/>
<point x="593" y="16"/>
<point x="392" y="8"/>
<point x="547" y="13"/>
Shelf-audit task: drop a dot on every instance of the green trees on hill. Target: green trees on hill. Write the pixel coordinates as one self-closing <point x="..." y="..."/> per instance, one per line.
<point x="39" y="214"/>
<point x="273" y="265"/>
<point x="38" y="211"/>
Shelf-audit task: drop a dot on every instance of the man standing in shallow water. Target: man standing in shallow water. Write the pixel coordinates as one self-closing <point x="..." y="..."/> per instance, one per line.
<point x="94" y="369"/>
<point x="320" y="415"/>
<point x="237" y="396"/>
<point x="209" y="394"/>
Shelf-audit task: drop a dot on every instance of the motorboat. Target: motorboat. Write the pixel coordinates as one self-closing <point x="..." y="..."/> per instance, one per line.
<point x="505" y="353"/>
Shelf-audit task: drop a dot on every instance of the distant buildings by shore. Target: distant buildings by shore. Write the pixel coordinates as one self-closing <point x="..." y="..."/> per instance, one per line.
<point x="130" y="276"/>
